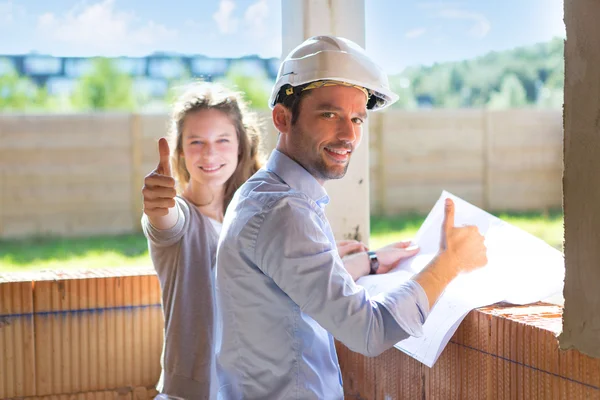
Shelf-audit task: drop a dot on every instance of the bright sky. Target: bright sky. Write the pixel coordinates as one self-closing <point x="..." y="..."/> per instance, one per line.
<point x="399" y="32"/>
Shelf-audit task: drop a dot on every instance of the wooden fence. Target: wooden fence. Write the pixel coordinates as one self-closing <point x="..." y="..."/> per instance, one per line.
<point x="501" y="160"/>
<point x="82" y="174"/>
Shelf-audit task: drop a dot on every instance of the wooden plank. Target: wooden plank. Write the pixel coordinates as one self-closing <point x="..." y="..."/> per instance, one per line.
<point x="516" y="158"/>
<point x="100" y="222"/>
<point x="486" y="156"/>
<point x="52" y="195"/>
<point x="44" y="139"/>
<point x="88" y="157"/>
<point x="421" y="197"/>
<point x="428" y="175"/>
<point x="137" y="175"/>
<point x="154" y="126"/>
<point x="381" y="163"/>
<point x="22" y="176"/>
<point x="74" y="130"/>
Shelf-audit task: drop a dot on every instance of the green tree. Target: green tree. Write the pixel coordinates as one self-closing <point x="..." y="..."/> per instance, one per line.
<point x="19" y="93"/>
<point x="256" y="87"/>
<point x="178" y="85"/>
<point x="402" y="87"/>
<point x="478" y="82"/>
<point x="550" y="97"/>
<point x="104" y="88"/>
<point x="512" y="94"/>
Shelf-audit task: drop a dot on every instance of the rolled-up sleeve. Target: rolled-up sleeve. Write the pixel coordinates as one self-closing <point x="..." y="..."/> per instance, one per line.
<point x="408" y="306"/>
<point x="294" y="248"/>
<point x="167" y="237"/>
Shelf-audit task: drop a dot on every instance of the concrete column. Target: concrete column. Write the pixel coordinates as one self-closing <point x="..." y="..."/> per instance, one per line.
<point x="581" y="179"/>
<point x="348" y="211"/>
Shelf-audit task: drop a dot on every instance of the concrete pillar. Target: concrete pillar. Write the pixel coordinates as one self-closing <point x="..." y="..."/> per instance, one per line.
<point x="581" y="180"/>
<point x="348" y="211"/>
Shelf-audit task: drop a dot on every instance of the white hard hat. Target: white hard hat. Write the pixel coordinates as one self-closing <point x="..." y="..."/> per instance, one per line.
<point x="332" y="58"/>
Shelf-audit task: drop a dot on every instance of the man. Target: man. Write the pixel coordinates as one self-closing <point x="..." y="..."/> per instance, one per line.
<point x="282" y="289"/>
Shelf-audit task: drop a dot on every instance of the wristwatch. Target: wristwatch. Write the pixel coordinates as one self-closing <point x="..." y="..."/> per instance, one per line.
<point x="373" y="261"/>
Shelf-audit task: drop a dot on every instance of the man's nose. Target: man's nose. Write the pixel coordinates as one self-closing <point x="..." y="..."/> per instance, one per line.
<point x="347" y="130"/>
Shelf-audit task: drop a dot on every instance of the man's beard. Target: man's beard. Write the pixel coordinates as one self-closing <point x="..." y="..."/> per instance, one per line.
<point x="327" y="172"/>
<point x="315" y="164"/>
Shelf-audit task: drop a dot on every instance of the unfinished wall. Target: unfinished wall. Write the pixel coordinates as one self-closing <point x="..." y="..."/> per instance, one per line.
<point x="97" y="335"/>
<point x="581" y="181"/>
<point x="80" y="335"/>
<point x="498" y="352"/>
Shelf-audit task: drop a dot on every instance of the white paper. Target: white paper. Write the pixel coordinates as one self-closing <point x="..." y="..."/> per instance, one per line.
<point x="521" y="269"/>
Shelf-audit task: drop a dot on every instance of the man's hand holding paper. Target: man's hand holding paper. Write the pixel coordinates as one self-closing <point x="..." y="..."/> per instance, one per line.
<point x="519" y="268"/>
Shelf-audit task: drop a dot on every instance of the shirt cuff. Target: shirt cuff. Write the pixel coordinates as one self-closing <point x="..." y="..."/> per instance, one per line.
<point x="408" y="305"/>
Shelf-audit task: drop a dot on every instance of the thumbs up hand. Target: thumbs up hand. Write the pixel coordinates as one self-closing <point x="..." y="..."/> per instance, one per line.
<point x="159" y="186"/>
<point x="164" y="166"/>
<point x="465" y="245"/>
<point x="462" y="249"/>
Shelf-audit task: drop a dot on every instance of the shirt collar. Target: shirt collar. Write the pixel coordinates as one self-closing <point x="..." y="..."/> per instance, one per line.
<point x="297" y="177"/>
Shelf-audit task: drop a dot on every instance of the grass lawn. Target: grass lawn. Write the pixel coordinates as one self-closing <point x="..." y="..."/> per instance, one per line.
<point x="73" y="253"/>
<point x="546" y="226"/>
<point x="131" y="250"/>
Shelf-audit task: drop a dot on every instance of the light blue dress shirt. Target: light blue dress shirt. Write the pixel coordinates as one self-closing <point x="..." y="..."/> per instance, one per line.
<point x="283" y="293"/>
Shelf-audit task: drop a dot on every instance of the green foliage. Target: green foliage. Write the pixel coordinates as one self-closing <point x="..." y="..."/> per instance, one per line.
<point x="178" y="86"/>
<point x="104" y="88"/>
<point x="256" y="88"/>
<point x="531" y="76"/>
<point x="404" y="90"/>
<point x="525" y="76"/>
<point x="19" y="93"/>
<point x="511" y="94"/>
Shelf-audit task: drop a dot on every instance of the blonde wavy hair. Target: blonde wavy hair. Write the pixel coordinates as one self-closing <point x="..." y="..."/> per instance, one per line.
<point x="215" y="96"/>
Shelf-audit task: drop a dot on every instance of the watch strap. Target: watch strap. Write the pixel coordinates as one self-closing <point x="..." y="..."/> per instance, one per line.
<point x="373" y="262"/>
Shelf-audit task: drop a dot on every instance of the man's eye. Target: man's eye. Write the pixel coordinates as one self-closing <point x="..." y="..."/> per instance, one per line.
<point x="328" y="115"/>
<point x="357" y="121"/>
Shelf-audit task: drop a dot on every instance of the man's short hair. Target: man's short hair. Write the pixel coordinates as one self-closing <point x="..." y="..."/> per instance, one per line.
<point x="290" y="97"/>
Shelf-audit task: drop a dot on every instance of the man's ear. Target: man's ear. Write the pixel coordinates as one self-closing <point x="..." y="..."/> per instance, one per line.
<point x="282" y="118"/>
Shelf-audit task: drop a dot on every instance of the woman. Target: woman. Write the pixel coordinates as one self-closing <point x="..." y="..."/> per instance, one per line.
<point x="215" y="142"/>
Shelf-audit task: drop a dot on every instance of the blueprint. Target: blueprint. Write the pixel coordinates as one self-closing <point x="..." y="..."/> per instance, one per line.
<point x="521" y="269"/>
